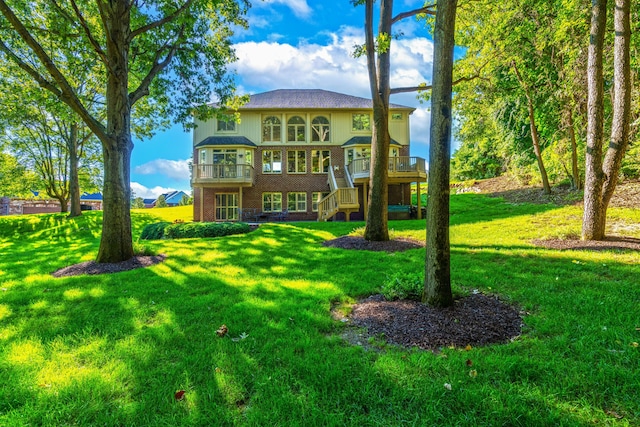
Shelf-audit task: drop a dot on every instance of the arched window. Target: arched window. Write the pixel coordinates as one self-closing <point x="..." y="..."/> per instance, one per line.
<point x="271" y="129"/>
<point x="296" y="131"/>
<point x="320" y="129"/>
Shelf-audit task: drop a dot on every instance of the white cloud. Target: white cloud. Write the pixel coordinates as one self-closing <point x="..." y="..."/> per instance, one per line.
<point x="176" y="169"/>
<point x="271" y="65"/>
<point x="140" y="190"/>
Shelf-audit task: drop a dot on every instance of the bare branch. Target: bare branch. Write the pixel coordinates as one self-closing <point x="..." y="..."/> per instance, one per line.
<point x="160" y="22"/>
<point x="428" y="10"/>
<point x="428" y="87"/>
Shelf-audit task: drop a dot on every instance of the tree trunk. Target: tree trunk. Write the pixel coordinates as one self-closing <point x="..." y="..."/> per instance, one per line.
<point x="377" y="214"/>
<point x="622" y="99"/>
<point x="116" y="243"/>
<point x="74" y="185"/>
<point x="535" y="138"/>
<point x="437" y="287"/>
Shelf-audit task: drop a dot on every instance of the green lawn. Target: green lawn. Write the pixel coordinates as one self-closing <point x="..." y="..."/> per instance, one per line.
<point x="114" y="349"/>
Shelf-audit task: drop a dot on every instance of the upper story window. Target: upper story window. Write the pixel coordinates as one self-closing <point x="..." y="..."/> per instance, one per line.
<point x="272" y="161"/>
<point x="271" y="129"/>
<point x="361" y="122"/>
<point x="226" y="124"/>
<point x="203" y="156"/>
<point x="296" y="130"/>
<point x="396" y="116"/>
<point x="320" y="129"/>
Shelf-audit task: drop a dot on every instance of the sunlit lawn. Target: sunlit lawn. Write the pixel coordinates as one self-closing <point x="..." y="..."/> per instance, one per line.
<point x="114" y="349"/>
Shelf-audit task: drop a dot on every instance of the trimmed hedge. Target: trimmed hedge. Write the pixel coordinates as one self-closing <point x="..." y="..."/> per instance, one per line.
<point x="165" y="230"/>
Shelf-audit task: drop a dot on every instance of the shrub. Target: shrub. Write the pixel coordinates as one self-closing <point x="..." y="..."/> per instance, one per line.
<point x="154" y="231"/>
<point x="403" y="286"/>
<point x="183" y="230"/>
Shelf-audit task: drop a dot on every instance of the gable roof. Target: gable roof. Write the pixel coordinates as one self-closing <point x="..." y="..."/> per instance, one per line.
<point x="91" y="196"/>
<point x="311" y="99"/>
<point x="226" y="140"/>
<point x="174" y="196"/>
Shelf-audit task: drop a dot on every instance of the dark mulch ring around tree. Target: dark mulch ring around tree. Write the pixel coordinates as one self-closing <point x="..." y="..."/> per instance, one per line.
<point x="92" y="267"/>
<point x="360" y="243"/>
<point x="610" y="243"/>
<point x="475" y="320"/>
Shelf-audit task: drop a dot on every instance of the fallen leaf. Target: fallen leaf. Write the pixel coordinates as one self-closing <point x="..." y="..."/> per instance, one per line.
<point x="469" y="362"/>
<point x="222" y="331"/>
<point x="634" y="344"/>
<point x="468" y="347"/>
<point x="614" y="414"/>
<point x="218" y="370"/>
<point x="179" y="394"/>
<point x="447" y="386"/>
<point x="473" y="373"/>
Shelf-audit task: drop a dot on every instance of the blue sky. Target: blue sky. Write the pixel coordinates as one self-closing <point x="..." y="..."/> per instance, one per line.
<point x="297" y="44"/>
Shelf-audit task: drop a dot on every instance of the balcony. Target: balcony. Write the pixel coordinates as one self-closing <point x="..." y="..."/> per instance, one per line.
<point x="222" y="174"/>
<point x="401" y="169"/>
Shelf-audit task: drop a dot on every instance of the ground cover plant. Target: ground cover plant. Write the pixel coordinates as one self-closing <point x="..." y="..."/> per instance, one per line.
<point x="140" y="347"/>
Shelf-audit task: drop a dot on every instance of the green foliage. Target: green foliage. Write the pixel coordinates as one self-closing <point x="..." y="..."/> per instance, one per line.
<point x="15" y="180"/>
<point x="183" y="230"/>
<point x="137" y="203"/>
<point x="631" y="162"/>
<point x="477" y="160"/>
<point x="403" y="285"/>
<point x="186" y="201"/>
<point x="154" y="231"/>
<point x="161" y="202"/>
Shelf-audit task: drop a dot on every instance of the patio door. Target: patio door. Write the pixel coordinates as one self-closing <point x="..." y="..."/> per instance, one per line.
<point x="227" y="207"/>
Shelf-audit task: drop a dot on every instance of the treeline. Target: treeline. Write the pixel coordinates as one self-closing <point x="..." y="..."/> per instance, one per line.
<point x="522" y="105"/>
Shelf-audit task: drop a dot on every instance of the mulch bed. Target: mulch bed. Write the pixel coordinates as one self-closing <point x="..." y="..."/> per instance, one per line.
<point x="608" y="244"/>
<point x="359" y="243"/>
<point x="475" y="320"/>
<point x="92" y="267"/>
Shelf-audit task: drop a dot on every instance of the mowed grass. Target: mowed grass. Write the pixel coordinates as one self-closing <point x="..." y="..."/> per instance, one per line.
<point x="112" y="350"/>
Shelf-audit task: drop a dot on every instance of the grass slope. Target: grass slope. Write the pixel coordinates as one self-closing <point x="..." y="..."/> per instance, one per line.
<point x="113" y="350"/>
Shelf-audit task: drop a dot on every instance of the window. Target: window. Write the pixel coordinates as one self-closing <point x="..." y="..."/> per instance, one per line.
<point x="316" y="196"/>
<point x="361" y="122"/>
<point x="226" y="124"/>
<point x="227" y="206"/>
<point x="203" y="156"/>
<point x="297" y="202"/>
<point x="396" y="116"/>
<point x="271" y="129"/>
<point x="320" y="129"/>
<point x="320" y="161"/>
<point x="272" y="161"/>
<point x="271" y="202"/>
<point x="296" y="129"/>
<point x="225" y="157"/>
<point x="297" y="161"/>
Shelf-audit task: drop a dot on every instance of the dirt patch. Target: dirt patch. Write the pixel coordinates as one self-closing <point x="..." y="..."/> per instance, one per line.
<point x="608" y="244"/>
<point x="92" y="267"/>
<point x="359" y="243"/>
<point x="475" y="320"/>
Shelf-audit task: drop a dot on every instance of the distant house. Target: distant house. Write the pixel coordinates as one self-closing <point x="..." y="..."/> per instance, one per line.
<point x="37" y="204"/>
<point x="172" y="198"/>
<point x="91" y="201"/>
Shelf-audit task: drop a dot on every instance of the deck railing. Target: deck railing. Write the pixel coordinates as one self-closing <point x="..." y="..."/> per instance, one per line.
<point x="342" y="199"/>
<point x="207" y="173"/>
<point x="398" y="166"/>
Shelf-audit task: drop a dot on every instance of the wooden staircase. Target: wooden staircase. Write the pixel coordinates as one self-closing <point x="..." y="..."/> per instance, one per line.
<point x="343" y="198"/>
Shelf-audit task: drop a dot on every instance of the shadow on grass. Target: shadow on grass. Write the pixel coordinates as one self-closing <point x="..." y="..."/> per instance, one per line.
<point x="113" y="349"/>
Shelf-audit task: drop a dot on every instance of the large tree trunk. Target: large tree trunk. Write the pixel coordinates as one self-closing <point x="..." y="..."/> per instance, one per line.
<point x="116" y="243"/>
<point x="74" y="185"/>
<point x="377" y="215"/>
<point x="437" y="287"/>
<point x="601" y="179"/>
<point x="622" y="99"/>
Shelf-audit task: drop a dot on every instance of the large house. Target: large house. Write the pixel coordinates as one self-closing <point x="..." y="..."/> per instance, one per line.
<point x="298" y="155"/>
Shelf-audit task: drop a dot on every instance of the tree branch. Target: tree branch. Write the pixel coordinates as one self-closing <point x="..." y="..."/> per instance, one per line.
<point x="155" y="24"/>
<point x="426" y="10"/>
<point x="428" y="87"/>
<point x="64" y="92"/>
<point x="87" y="31"/>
